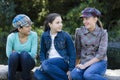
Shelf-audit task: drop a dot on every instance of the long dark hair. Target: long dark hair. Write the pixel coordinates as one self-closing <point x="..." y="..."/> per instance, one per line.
<point x="15" y="30"/>
<point x="49" y="19"/>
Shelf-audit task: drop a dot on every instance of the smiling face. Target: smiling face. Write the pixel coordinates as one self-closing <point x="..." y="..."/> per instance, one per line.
<point x="90" y="22"/>
<point x="56" y="25"/>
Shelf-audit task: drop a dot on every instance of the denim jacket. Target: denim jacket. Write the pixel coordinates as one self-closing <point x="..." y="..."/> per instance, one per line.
<point x="63" y="44"/>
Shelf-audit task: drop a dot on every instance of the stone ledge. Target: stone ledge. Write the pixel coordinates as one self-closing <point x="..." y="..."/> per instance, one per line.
<point x="3" y="72"/>
<point x="110" y="74"/>
<point x="113" y="74"/>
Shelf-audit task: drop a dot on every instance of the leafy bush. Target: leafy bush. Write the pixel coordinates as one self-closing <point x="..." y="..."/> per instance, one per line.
<point x="3" y="38"/>
<point x="72" y="19"/>
<point x="114" y="33"/>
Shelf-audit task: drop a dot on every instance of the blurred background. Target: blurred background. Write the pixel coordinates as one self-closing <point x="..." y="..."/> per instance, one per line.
<point x="70" y="12"/>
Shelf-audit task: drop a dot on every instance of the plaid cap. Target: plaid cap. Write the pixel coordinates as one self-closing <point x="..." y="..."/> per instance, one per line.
<point x="21" y="20"/>
<point x="88" y="12"/>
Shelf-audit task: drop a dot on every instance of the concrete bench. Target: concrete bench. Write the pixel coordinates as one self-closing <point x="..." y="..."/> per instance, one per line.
<point x="3" y="72"/>
<point x="113" y="74"/>
<point x="110" y="74"/>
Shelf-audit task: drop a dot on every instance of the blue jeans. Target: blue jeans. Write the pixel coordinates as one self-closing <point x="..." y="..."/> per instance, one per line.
<point x="52" y="69"/>
<point x="93" y="72"/>
<point x="22" y="62"/>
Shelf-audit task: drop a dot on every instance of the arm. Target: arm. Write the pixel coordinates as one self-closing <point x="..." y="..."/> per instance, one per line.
<point x="9" y="45"/>
<point x="71" y="52"/>
<point x="33" y="52"/>
<point x="101" y="53"/>
<point x="92" y="61"/>
<point x="42" y="49"/>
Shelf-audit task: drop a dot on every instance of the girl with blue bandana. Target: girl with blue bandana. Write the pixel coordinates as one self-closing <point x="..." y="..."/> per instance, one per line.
<point x="21" y="48"/>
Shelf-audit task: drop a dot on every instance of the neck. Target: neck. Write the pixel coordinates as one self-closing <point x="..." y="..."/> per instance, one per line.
<point x="92" y="28"/>
<point x="53" y="32"/>
<point x="23" y="38"/>
<point x="22" y="35"/>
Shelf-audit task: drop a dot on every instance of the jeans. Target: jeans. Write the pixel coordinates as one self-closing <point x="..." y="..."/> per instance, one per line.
<point x="52" y="69"/>
<point x="22" y="62"/>
<point x="93" y="72"/>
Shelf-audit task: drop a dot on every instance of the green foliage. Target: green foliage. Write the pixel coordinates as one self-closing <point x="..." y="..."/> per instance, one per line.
<point x="39" y="31"/>
<point x="32" y="8"/>
<point x="73" y="20"/>
<point x="110" y="14"/>
<point x="3" y="58"/>
<point x="114" y="34"/>
<point x="62" y="6"/>
<point x="6" y="13"/>
<point x="3" y="37"/>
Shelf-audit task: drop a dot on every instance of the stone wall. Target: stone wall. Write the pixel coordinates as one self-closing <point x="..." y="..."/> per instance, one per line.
<point x="110" y="74"/>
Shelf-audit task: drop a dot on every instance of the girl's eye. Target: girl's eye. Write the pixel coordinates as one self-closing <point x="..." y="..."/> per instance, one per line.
<point x="59" y="22"/>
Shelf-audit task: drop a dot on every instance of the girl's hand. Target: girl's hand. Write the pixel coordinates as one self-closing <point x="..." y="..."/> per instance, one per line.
<point x="13" y="51"/>
<point x="81" y="66"/>
<point x="68" y="73"/>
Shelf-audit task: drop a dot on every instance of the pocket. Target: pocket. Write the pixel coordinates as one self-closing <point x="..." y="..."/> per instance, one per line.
<point x="47" y="44"/>
<point x="61" y="44"/>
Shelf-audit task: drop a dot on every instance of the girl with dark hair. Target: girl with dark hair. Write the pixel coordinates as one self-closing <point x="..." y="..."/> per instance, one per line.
<point x="57" y="51"/>
<point x="21" y="48"/>
<point x="91" y="42"/>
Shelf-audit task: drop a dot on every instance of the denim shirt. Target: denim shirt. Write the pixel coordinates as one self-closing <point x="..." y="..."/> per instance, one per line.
<point x="63" y="44"/>
<point x="91" y="44"/>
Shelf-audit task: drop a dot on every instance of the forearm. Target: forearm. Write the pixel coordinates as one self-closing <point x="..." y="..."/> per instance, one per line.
<point x="92" y="61"/>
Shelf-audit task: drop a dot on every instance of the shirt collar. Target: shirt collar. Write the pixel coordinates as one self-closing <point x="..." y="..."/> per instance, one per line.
<point x="48" y="33"/>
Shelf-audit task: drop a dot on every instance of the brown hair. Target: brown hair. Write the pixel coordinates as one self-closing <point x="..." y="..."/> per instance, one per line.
<point x="49" y="19"/>
<point x="99" y="23"/>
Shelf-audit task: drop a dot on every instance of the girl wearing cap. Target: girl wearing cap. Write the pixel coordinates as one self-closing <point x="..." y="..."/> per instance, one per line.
<point x="57" y="52"/>
<point x="91" y="42"/>
<point x="21" y="48"/>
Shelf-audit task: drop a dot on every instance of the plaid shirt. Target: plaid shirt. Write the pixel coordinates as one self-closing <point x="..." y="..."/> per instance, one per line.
<point x="91" y="44"/>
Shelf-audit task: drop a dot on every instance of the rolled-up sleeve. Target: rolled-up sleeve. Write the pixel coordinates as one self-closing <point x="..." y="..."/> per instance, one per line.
<point x="102" y="50"/>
